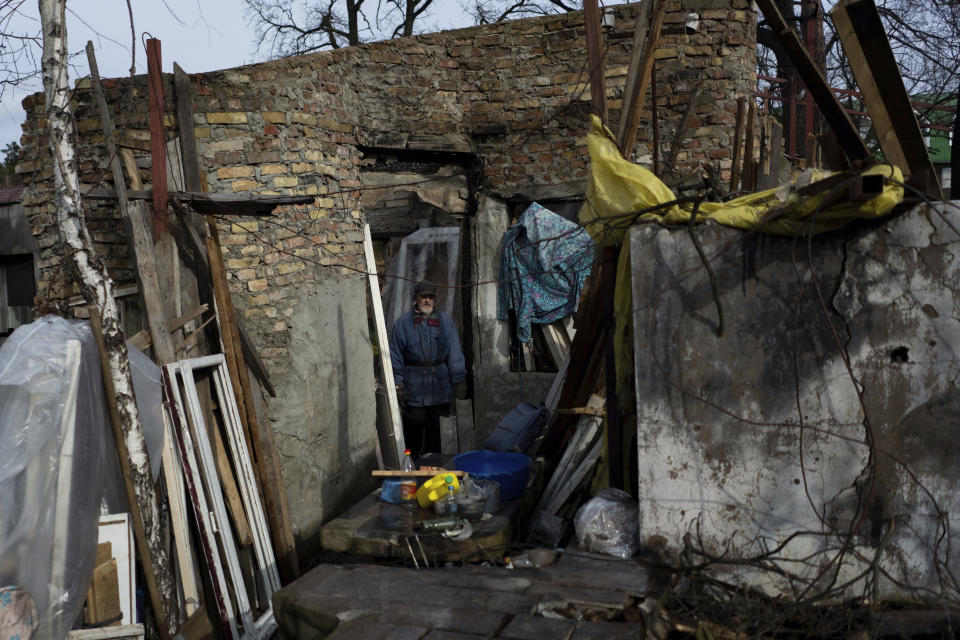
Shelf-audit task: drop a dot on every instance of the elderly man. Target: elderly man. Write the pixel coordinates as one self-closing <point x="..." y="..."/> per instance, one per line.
<point x="428" y="368"/>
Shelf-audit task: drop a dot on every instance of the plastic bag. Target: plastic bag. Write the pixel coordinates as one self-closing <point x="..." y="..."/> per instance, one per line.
<point x="51" y="476"/>
<point x="51" y="487"/>
<point x="608" y="523"/>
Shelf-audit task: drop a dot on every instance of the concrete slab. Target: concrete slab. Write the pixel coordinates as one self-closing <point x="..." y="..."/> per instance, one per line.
<point x="819" y="419"/>
<point x="474" y="601"/>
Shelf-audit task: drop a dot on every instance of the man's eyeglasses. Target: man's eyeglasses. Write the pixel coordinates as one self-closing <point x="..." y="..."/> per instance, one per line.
<point x="428" y="296"/>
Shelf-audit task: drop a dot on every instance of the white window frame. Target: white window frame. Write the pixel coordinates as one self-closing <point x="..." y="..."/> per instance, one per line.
<point x="207" y="496"/>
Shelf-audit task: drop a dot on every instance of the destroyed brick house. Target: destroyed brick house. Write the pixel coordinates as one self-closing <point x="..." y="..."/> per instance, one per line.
<point x="741" y="432"/>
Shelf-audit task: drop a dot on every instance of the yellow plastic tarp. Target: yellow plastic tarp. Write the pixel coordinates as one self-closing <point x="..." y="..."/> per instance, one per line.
<point x="619" y="189"/>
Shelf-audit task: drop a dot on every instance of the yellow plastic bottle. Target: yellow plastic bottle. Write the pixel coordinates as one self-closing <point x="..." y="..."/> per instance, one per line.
<point x="436" y="489"/>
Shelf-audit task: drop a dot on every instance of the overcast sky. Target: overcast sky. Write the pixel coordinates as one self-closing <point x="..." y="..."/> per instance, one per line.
<point x="200" y="35"/>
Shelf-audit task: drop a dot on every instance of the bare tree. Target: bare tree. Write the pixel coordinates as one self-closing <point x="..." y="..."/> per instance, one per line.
<point x="90" y="272"/>
<point x="924" y="36"/>
<point x="488" y="11"/>
<point x="287" y="29"/>
<point x="18" y="48"/>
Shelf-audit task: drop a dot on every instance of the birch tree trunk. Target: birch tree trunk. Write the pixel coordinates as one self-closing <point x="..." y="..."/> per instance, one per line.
<point x="96" y="286"/>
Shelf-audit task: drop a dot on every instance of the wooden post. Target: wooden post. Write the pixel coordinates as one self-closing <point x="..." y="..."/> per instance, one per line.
<point x="749" y="179"/>
<point x="144" y="548"/>
<point x="598" y="89"/>
<point x="738" y="146"/>
<point x="158" y="143"/>
<point x="875" y="69"/>
<point x="655" y="120"/>
<point x="847" y="134"/>
<point x="138" y="235"/>
<point x="641" y="60"/>
<point x="260" y="441"/>
<point x="386" y="365"/>
<point x="188" y="142"/>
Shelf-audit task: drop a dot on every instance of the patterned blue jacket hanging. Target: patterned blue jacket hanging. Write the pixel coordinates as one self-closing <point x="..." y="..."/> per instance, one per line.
<point x="544" y="262"/>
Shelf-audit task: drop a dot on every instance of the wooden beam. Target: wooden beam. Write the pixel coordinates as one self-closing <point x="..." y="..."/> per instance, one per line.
<point x="417" y="473"/>
<point x="636" y="64"/>
<point x="154" y="573"/>
<point x="642" y="61"/>
<point x="847" y="134"/>
<point x="135" y="219"/>
<point x="215" y="203"/>
<point x="875" y="69"/>
<point x="598" y="88"/>
<point x="749" y="177"/>
<point x="188" y="143"/>
<point x="386" y="365"/>
<point x="738" y="145"/>
<point x="260" y="441"/>
<point x="684" y="127"/>
<point x="158" y="142"/>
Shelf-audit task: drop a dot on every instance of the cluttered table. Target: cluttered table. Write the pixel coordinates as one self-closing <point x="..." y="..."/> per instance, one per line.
<point x="375" y="527"/>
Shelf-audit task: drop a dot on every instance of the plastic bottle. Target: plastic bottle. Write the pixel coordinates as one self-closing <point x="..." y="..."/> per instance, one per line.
<point x="451" y="502"/>
<point x="408" y="485"/>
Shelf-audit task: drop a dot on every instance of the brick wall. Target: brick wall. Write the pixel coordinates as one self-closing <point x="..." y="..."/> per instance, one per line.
<point x="515" y="93"/>
<point x="512" y="96"/>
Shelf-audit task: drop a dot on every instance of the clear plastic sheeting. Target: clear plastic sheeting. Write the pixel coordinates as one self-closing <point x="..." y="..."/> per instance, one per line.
<point x="430" y="254"/>
<point x="52" y="425"/>
<point x="58" y="462"/>
<point x="609" y="523"/>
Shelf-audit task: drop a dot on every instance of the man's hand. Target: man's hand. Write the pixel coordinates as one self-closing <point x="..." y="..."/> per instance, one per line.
<point x="460" y="390"/>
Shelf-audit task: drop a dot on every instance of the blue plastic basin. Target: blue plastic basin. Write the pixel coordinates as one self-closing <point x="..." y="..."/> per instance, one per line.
<point x="511" y="470"/>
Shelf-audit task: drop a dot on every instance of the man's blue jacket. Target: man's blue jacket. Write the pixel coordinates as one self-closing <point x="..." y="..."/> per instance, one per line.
<point x="427" y="359"/>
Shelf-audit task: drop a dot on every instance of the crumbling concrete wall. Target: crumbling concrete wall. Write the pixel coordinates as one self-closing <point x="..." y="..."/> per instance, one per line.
<point x="822" y="418"/>
<point x="512" y="98"/>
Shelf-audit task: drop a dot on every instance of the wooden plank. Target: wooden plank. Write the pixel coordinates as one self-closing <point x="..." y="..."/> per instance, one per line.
<point x="566" y="488"/>
<point x="158" y="143"/>
<point x="598" y="89"/>
<point x="416" y="473"/>
<point x="144" y="549"/>
<point x="197" y="626"/>
<point x="117" y="531"/>
<point x="588" y="429"/>
<point x="386" y="365"/>
<point x="108" y="633"/>
<point x="188" y="144"/>
<point x="260" y="442"/>
<point x="738" y="146"/>
<point x="833" y="112"/>
<point x="684" y="127"/>
<point x="630" y="118"/>
<point x="636" y="64"/>
<point x="230" y="490"/>
<point x="135" y="220"/>
<point x="141" y="339"/>
<point x="749" y="175"/>
<point x="554" y="341"/>
<point x="176" y="497"/>
<point x="875" y="70"/>
<point x="553" y="396"/>
<point x="103" y="596"/>
<point x="241" y="204"/>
